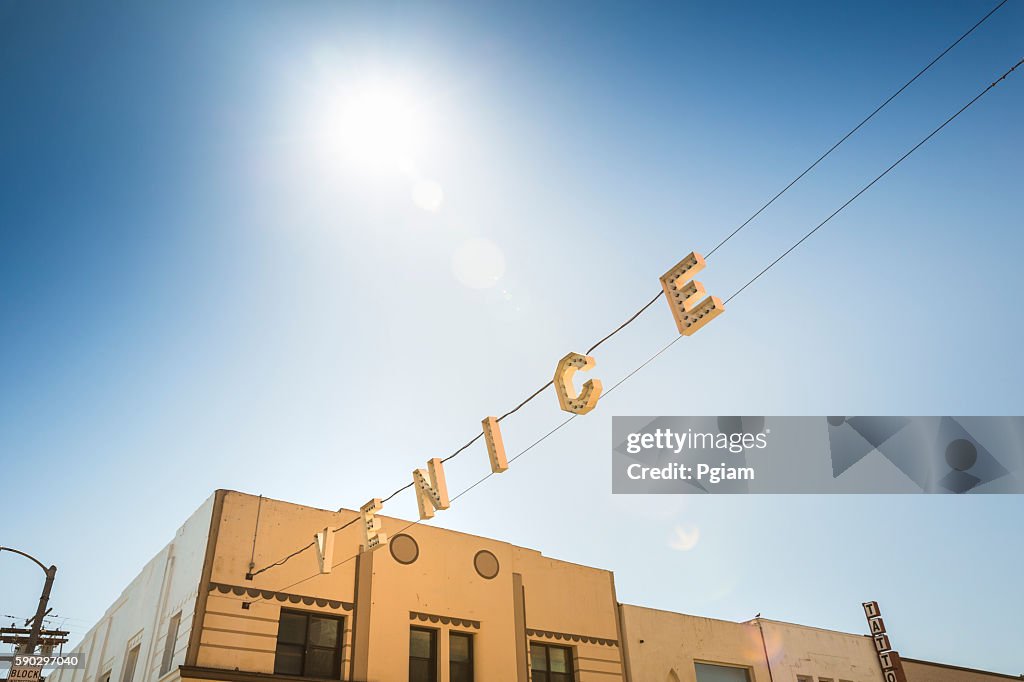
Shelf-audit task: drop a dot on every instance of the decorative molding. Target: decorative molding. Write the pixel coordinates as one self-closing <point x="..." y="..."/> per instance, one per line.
<point x="565" y="636"/>
<point x="444" y="620"/>
<point x="281" y="596"/>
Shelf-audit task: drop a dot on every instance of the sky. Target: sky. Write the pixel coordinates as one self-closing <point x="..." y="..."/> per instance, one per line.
<point x="297" y="249"/>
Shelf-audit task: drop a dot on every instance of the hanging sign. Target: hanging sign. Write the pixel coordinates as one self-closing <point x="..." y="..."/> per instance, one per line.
<point x="691" y="310"/>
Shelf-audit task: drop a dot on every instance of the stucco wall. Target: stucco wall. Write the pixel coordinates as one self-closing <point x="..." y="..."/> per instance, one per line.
<point x="663" y="646"/>
<point x="798" y="650"/>
<point x="565" y="604"/>
<point x="233" y="637"/>
<point x="165" y="586"/>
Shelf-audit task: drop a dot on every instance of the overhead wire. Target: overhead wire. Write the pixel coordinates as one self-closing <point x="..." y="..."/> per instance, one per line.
<point x="664" y="348"/>
<point x="877" y="178"/>
<point x="857" y="127"/>
<point x="736" y="231"/>
<point x="417" y="521"/>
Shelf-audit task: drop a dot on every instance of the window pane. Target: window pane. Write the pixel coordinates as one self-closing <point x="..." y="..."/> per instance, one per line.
<point x="288" y="660"/>
<point x="292" y="629"/>
<point x="459" y="645"/>
<point x="323" y="632"/>
<point x="320" y="663"/>
<point x="720" y="673"/>
<point x="558" y="659"/>
<point x="461" y="672"/>
<point x="460" y="657"/>
<point x="419" y="670"/>
<point x="422" y="655"/>
<point x="421" y="643"/>
<point x="538" y="657"/>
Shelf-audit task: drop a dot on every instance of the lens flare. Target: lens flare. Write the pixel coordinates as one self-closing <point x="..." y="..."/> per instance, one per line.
<point x="478" y="264"/>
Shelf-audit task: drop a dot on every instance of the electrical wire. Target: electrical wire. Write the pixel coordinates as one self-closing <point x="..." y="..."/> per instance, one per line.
<point x="416" y="522"/>
<point x="489" y="474"/>
<point x="856" y="128"/>
<point x="736" y="231"/>
<point x="877" y="178"/>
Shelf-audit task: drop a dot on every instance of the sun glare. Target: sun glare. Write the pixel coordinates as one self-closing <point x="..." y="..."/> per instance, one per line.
<point x="378" y="126"/>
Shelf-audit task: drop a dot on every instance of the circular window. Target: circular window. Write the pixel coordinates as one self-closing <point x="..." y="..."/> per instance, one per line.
<point x="486" y="564"/>
<point x="404" y="548"/>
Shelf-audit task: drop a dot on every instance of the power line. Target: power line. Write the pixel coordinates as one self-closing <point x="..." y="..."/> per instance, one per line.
<point x="877" y="178"/>
<point x="417" y="521"/>
<point x="734" y="295"/>
<point x="856" y="127"/>
<point x="651" y="302"/>
<point x="489" y="474"/>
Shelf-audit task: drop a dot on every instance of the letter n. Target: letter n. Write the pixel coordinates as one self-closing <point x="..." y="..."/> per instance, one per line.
<point x="431" y="488"/>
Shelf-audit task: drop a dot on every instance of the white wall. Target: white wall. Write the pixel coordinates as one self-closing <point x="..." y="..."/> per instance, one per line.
<point x="169" y="583"/>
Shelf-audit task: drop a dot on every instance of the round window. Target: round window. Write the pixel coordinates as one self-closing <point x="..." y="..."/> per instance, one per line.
<point x="404" y="548"/>
<point x="486" y="564"/>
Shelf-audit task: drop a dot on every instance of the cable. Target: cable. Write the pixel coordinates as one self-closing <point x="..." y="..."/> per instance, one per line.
<point x="821" y="158"/>
<point x="255" y="533"/>
<point x="736" y="231"/>
<point x="477" y="437"/>
<point x="280" y="562"/>
<point x="736" y="293"/>
<point x="624" y="324"/>
<point x="489" y="474"/>
<point x="413" y="523"/>
<point x="856" y="128"/>
<point x="879" y="177"/>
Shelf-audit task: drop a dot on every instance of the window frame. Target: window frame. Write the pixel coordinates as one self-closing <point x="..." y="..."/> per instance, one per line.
<point x="747" y="670"/>
<point x="470" y="661"/>
<point x="433" y="660"/>
<point x="308" y="646"/>
<point x="132" y="655"/>
<point x="170" y="643"/>
<point x="570" y="662"/>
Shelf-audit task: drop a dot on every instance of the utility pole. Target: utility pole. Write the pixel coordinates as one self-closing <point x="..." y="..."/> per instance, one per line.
<point x="44" y="598"/>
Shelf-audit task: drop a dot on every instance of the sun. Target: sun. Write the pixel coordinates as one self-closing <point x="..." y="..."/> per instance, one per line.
<point x="378" y="126"/>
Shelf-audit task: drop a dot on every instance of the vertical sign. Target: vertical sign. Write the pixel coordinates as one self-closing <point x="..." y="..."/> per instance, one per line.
<point x="892" y="666"/>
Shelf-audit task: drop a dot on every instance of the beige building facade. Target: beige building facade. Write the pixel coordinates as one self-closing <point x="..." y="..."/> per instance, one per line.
<point x="431" y="605"/>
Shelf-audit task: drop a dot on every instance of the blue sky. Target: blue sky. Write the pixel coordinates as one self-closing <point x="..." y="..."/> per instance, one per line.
<point x="206" y="282"/>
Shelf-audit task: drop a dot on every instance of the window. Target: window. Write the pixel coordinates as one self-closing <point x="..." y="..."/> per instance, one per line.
<point x="422" y="655"/>
<point x="550" y="663"/>
<point x="105" y="677"/>
<point x="130" y="662"/>
<point x="460" y="657"/>
<point x="308" y="644"/>
<point x="170" y="642"/>
<point x="707" y="672"/>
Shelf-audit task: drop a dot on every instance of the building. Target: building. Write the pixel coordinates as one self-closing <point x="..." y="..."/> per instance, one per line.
<point x="432" y="605"/>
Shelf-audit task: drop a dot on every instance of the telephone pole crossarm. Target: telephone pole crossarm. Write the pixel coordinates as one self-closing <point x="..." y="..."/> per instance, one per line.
<point x="37" y="621"/>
